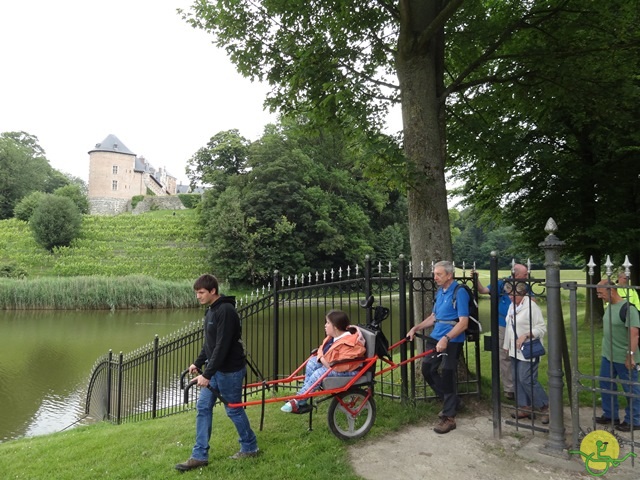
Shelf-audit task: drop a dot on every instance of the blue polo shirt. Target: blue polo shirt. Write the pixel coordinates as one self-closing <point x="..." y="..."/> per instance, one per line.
<point x="504" y="302"/>
<point x="446" y="314"/>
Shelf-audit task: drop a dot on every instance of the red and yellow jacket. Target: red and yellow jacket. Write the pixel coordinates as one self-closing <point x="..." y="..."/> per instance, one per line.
<point x="346" y="347"/>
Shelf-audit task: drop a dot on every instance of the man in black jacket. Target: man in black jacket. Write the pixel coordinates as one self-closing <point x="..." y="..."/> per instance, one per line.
<point x="223" y="358"/>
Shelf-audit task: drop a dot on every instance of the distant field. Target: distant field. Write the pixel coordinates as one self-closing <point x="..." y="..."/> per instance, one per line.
<point x="158" y="244"/>
<point x="565" y="275"/>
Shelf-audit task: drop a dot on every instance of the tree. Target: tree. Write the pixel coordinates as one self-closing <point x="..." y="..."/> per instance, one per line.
<point x="75" y="193"/>
<point x="298" y="203"/>
<point x="225" y="155"/>
<point x="337" y="59"/>
<point x="55" y="222"/>
<point x="23" y="169"/>
<point x="560" y="137"/>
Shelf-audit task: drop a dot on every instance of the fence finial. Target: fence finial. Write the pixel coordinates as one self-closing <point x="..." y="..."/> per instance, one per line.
<point x="627" y="266"/>
<point x="591" y="265"/>
<point x="609" y="266"/>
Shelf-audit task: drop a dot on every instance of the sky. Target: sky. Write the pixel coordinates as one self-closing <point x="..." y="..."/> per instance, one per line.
<point x="75" y="71"/>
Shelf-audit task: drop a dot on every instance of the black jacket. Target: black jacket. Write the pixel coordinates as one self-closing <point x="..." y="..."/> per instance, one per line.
<point x="222" y="349"/>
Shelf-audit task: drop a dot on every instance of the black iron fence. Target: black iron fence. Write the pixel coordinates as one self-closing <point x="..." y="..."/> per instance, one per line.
<point x="281" y="325"/>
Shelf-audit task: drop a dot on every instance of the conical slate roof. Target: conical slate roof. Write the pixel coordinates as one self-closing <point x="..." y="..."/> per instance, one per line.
<point x="112" y="144"/>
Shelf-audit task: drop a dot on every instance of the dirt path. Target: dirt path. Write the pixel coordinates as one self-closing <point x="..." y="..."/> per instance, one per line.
<point x="469" y="452"/>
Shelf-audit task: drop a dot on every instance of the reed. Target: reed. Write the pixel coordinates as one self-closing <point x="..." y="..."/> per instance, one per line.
<point x="95" y="293"/>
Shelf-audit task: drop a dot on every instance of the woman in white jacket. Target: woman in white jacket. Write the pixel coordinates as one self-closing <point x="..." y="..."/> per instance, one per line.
<point x="525" y="321"/>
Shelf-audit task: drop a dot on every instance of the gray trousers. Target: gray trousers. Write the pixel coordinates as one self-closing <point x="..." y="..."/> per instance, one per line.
<point x="506" y="369"/>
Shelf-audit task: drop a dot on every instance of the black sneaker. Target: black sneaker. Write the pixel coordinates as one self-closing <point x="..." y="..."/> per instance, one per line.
<point x="625" y="427"/>
<point x="602" y="420"/>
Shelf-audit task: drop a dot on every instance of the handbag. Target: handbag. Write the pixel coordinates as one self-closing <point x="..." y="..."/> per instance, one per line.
<point x="532" y="349"/>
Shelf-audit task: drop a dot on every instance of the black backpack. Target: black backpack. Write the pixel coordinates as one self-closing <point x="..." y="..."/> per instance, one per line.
<point x="623" y="311"/>
<point x="474" y="329"/>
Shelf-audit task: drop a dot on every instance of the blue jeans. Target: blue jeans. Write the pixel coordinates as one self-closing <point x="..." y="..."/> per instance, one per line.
<point x="229" y="384"/>
<point x="314" y="370"/>
<point x="610" y="369"/>
<point x="528" y="389"/>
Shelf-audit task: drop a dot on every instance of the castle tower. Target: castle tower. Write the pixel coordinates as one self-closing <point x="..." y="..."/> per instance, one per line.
<point x="114" y="171"/>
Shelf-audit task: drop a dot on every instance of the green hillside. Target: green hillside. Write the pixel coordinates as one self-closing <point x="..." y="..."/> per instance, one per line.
<point x="158" y="244"/>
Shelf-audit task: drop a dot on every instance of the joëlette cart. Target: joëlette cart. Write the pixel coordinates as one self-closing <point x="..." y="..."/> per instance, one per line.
<point x="352" y="411"/>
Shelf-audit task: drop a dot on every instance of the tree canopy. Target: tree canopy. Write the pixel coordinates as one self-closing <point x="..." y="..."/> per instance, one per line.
<point x="24" y="169"/>
<point x="297" y="202"/>
<point x="494" y="82"/>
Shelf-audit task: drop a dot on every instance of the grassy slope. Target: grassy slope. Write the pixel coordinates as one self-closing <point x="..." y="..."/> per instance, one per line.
<point x="158" y="244"/>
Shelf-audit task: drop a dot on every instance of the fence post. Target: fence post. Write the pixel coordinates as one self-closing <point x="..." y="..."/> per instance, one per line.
<point x="402" y="287"/>
<point x="552" y="247"/>
<point x="154" y="406"/>
<point x="367" y="284"/>
<point x="276" y="322"/>
<point x="119" y="393"/>
<point x="109" y="383"/>
<point x="495" y="347"/>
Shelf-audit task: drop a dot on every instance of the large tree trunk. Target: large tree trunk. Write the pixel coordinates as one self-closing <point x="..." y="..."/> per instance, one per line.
<point x="419" y="68"/>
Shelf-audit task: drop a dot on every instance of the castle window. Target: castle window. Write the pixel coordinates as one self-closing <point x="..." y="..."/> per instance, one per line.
<point x="115" y="169"/>
<point x="114" y="185"/>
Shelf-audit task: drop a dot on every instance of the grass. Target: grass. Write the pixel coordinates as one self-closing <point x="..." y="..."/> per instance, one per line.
<point x="157" y="244"/>
<point x="150" y="449"/>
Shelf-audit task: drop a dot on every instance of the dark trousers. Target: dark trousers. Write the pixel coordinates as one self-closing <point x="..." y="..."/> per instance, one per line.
<point x="439" y="371"/>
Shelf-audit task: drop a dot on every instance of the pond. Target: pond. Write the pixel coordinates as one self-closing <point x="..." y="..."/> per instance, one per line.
<point x="46" y="358"/>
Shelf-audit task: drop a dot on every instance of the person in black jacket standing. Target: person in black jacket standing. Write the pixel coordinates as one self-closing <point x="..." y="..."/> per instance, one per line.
<point x="223" y="359"/>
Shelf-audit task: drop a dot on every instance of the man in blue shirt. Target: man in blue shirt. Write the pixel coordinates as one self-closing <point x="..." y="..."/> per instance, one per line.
<point x="520" y="272"/>
<point x="447" y="338"/>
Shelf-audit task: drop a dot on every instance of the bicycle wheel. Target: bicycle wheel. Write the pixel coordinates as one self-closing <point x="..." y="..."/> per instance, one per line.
<point x="351" y="414"/>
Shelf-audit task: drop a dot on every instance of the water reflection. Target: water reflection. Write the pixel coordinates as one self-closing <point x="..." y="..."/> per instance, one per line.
<point x="46" y="358"/>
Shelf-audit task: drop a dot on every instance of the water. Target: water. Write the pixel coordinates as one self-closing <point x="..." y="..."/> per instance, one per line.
<point x="46" y="358"/>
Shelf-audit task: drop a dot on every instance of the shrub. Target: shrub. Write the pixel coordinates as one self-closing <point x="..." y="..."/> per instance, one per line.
<point x="9" y="270"/>
<point x="56" y="222"/>
<point x="25" y="207"/>
<point x="136" y="200"/>
<point x="190" y="200"/>
<point x="74" y="192"/>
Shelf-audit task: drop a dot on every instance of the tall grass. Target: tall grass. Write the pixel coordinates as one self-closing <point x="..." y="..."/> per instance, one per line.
<point x="95" y="293"/>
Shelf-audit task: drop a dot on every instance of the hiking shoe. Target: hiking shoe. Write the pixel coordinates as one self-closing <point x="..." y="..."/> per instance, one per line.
<point x="522" y="412"/>
<point x="241" y="455"/>
<point x="625" y="427"/>
<point x="543" y="415"/>
<point x="191" y="464"/>
<point x="445" y="425"/>
<point x="602" y="420"/>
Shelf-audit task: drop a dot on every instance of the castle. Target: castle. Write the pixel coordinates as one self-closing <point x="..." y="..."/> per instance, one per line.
<point x="116" y="174"/>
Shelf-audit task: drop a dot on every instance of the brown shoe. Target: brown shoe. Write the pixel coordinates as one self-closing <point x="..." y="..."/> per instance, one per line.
<point x="191" y="464"/>
<point x="543" y="415"/>
<point x="522" y="412"/>
<point x="445" y="425"/>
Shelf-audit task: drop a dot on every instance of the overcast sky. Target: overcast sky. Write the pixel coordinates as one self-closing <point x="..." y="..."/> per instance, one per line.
<point x="75" y="71"/>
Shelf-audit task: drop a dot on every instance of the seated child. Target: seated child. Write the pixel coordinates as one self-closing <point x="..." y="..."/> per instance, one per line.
<point x="343" y="342"/>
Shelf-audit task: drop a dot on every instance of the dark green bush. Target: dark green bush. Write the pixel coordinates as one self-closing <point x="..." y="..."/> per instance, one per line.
<point x="190" y="200"/>
<point x="56" y="222"/>
<point x="25" y="207"/>
<point x="74" y="192"/>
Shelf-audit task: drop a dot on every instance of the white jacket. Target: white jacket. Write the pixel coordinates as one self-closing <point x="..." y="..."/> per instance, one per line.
<point x="528" y="310"/>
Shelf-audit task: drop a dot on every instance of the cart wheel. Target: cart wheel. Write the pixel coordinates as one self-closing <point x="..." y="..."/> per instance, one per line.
<point x="354" y="420"/>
